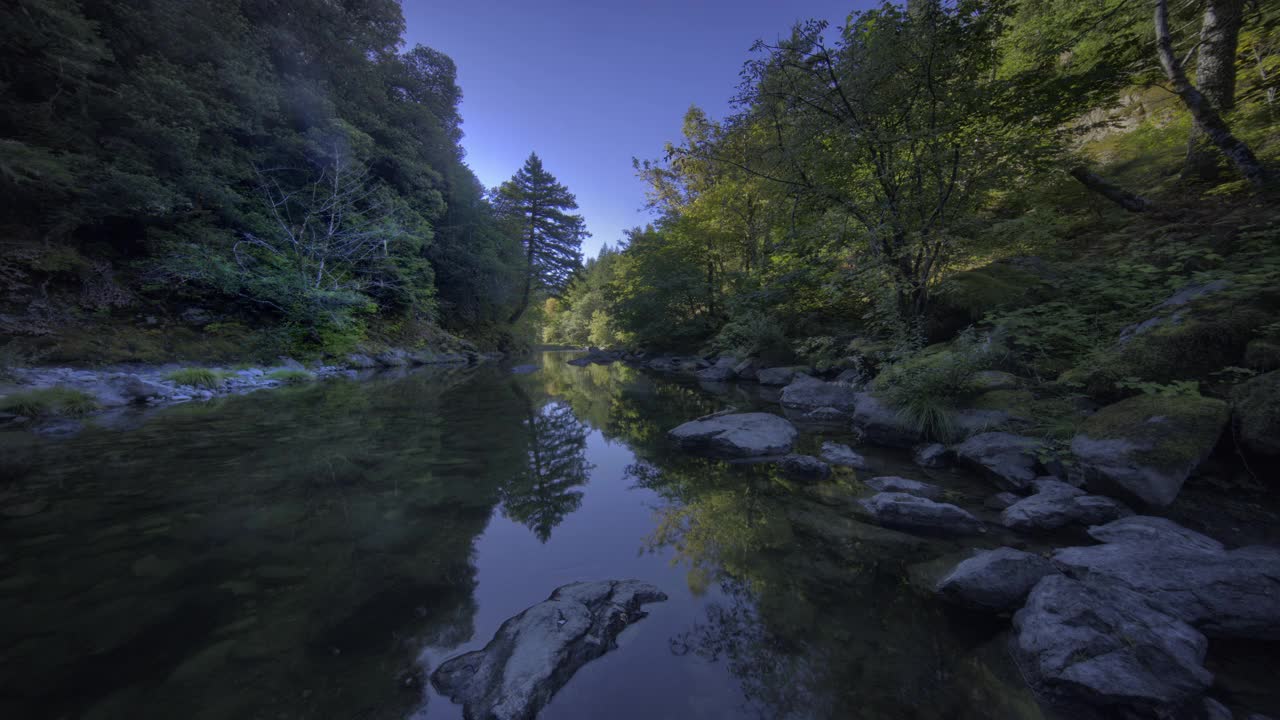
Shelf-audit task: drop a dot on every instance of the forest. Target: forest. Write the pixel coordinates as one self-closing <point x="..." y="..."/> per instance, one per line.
<point x="288" y="176"/>
<point x="215" y="180"/>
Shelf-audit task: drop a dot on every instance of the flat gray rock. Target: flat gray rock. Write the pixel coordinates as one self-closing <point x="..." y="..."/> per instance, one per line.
<point x="902" y="511"/>
<point x="536" y="652"/>
<point x="804" y="467"/>
<point x="1155" y="530"/>
<point x="1228" y="594"/>
<point x="1006" y="459"/>
<point x="737" y="435"/>
<point x="843" y="455"/>
<point x="893" y="483"/>
<point x="1106" y="645"/>
<point x="1058" y="504"/>
<point x="996" y="580"/>
<point x="808" y="393"/>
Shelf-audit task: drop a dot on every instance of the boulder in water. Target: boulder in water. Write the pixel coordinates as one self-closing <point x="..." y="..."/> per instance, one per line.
<point x="1108" y="646"/>
<point x="1008" y="460"/>
<point x="902" y="511"/>
<point x="843" y="455"/>
<point x="737" y="435"/>
<point x="996" y="580"/>
<point x="536" y="652"/>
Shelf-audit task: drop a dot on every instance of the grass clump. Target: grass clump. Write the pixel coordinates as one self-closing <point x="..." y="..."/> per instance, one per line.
<point x="927" y="388"/>
<point x="47" y="402"/>
<point x="289" y="377"/>
<point x="196" y="377"/>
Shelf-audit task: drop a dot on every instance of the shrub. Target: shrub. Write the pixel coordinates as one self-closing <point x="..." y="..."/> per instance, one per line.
<point x="290" y="377"/>
<point x="754" y="334"/>
<point x="196" y="377"/>
<point x="926" y="388"/>
<point x="49" y="401"/>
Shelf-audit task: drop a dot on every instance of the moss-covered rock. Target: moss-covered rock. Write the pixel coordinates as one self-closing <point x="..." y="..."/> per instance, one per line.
<point x="1146" y="447"/>
<point x="1257" y="413"/>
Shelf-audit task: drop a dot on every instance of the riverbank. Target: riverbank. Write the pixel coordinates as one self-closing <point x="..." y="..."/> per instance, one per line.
<point x="53" y="400"/>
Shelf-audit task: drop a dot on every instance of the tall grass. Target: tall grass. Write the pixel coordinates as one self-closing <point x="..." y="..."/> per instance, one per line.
<point x="46" y="402"/>
<point x="196" y="377"/>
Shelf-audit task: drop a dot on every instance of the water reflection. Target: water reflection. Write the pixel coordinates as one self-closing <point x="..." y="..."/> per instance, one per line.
<point x="298" y="554"/>
<point x="545" y="491"/>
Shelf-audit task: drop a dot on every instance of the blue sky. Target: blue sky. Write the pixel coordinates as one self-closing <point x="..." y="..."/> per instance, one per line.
<point x="589" y="85"/>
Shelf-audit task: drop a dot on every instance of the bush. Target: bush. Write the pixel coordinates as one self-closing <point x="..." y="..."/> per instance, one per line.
<point x="926" y="388"/>
<point x="290" y="377"/>
<point x="196" y="377"/>
<point x="46" y="402"/>
<point x="754" y="334"/>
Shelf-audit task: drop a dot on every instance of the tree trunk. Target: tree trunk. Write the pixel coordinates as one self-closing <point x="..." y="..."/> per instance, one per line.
<point x="530" y="245"/>
<point x="1109" y="190"/>
<point x="1203" y="112"/>
<point x="1216" y="78"/>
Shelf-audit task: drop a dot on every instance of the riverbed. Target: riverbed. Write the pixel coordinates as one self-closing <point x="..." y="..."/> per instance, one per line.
<point x="316" y="551"/>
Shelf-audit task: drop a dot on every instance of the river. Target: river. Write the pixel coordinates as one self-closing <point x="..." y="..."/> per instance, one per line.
<point x="314" y="552"/>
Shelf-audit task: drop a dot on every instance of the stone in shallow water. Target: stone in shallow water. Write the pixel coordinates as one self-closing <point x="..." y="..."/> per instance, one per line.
<point x="807" y="393"/>
<point x="932" y="455"/>
<point x="902" y="511"/>
<point x="843" y="455"/>
<point x="1228" y="594"/>
<point x="995" y="579"/>
<point x="1058" y="504"/>
<point x="1104" y="644"/>
<point x="804" y="467"/>
<point x="536" y="652"/>
<point x="1008" y="460"/>
<point x="737" y="435"/>
<point x="893" y="483"/>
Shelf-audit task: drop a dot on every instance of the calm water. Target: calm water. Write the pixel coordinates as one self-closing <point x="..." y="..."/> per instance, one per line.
<point x="314" y="552"/>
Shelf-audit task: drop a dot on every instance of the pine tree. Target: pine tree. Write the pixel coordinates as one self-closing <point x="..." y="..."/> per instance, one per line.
<point x="552" y="237"/>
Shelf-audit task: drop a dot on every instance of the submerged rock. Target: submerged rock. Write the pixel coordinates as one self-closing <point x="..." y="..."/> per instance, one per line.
<point x="995" y="580"/>
<point x="536" y="652"/>
<point x="892" y="483"/>
<point x="1008" y="460"/>
<point x="1108" y="646"/>
<point x="804" y="467"/>
<point x="843" y="455"/>
<point x="807" y="393"/>
<point x="903" y="511"/>
<point x="1146" y="447"/>
<point x="932" y="455"/>
<point x="737" y="435"/>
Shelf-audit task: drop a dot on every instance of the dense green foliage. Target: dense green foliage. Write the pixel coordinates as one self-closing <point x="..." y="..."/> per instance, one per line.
<point x="884" y="185"/>
<point x="291" y="165"/>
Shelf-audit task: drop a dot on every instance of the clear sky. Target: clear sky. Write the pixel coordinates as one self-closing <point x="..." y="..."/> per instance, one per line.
<point x="589" y="85"/>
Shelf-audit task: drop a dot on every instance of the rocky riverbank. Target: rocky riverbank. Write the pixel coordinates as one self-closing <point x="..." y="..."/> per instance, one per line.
<point x="1119" y="628"/>
<point x="53" y="400"/>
